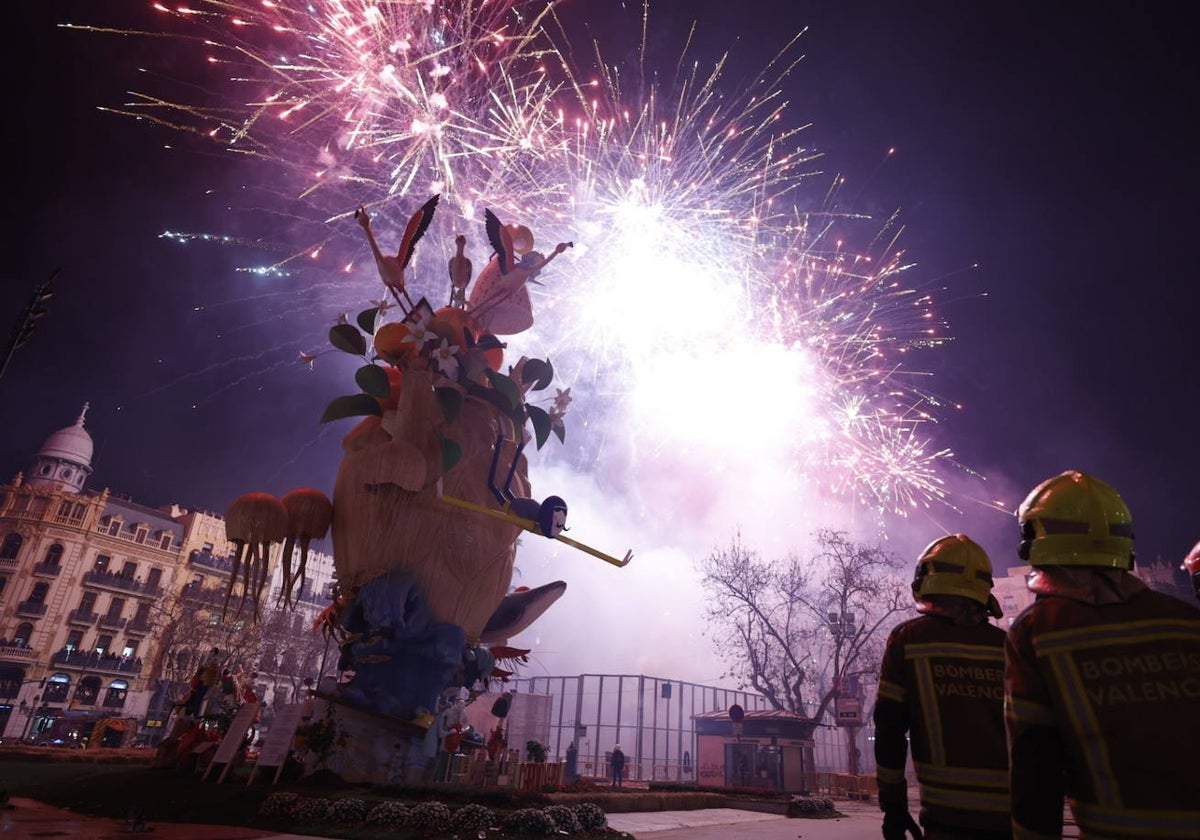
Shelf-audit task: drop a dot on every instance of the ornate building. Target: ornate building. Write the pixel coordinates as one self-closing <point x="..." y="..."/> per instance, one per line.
<point x="1014" y="596"/>
<point x="107" y="605"/>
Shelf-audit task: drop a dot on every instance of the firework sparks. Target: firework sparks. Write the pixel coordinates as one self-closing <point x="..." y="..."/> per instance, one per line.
<point x="698" y="274"/>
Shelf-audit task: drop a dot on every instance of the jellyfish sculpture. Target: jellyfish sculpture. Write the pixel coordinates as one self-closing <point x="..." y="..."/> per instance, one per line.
<point x="252" y="523"/>
<point x="309" y="513"/>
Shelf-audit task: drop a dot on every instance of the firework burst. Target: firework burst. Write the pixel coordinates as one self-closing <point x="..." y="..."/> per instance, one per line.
<point x="708" y="304"/>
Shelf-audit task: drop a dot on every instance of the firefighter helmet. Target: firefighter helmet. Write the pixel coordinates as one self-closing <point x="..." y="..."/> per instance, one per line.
<point x="1075" y="520"/>
<point x="955" y="565"/>
<point x="1191" y="563"/>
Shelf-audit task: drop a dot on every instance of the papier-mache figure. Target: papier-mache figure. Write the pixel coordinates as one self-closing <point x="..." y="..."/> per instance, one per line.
<point x="499" y="301"/>
<point x="425" y="602"/>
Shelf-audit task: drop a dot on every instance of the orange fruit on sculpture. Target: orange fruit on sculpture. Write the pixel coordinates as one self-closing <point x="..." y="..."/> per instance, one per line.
<point x="449" y="323"/>
<point x="390" y="342"/>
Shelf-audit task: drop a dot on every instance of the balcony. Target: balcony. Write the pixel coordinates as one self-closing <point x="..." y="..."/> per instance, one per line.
<point x="31" y="609"/>
<point x="45" y="569"/>
<point x="138" y="628"/>
<point x="82" y="617"/>
<point x="110" y="622"/>
<point x="131" y="536"/>
<point x="120" y="583"/>
<point x="319" y="599"/>
<point x="78" y="660"/>
<point x="203" y="596"/>
<point x="10" y="652"/>
<point x="223" y="565"/>
<point x="8" y="562"/>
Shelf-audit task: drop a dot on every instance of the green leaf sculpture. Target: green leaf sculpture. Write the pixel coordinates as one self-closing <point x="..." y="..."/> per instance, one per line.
<point x="538" y="371"/>
<point x="374" y="381"/>
<point x="450" y="399"/>
<point x="541" y="424"/>
<point x="355" y="405"/>
<point x="366" y="320"/>
<point x="506" y="387"/>
<point x="451" y="454"/>
<point x="348" y="339"/>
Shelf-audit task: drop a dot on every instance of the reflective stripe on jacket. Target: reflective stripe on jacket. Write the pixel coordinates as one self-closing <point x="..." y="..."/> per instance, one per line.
<point x="942" y="687"/>
<point x="1101" y="705"/>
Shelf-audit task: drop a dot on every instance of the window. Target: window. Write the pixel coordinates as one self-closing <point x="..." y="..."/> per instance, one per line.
<point x="74" y="641"/>
<point x="57" y="688"/>
<point x="66" y="474"/>
<point x="208" y="547"/>
<point x="114" y="527"/>
<point x="10" y="681"/>
<point x="38" y="595"/>
<point x="102" y="562"/>
<point x="64" y="508"/>
<point x="140" y="537"/>
<point x="102" y="645"/>
<point x="115" y="606"/>
<point x="130" y="649"/>
<point x="23" y="635"/>
<point x="12" y="544"/>
<point x="77" y="513"/>
<point x="3" y="583"/>
<point x="142" y="616"/>
<point x="152" y="580"/>
<point x="54" y="555"/>
<point x="164" y="541"/>
<point x="115" y="696"/>
<point x="87" y="602"/>
<point x="87" y="691"/>
<point x="129" y="570"/>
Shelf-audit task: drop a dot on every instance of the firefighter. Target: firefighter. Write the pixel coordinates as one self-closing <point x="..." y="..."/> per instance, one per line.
<point x="942" y="687"/>
<point x="1102" y="678"/>
<point x="1191" y="565"/>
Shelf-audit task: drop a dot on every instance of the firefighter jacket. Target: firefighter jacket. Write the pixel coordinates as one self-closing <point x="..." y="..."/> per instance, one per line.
<point x="1102" y="687"/>
<point x="942" y="685"/>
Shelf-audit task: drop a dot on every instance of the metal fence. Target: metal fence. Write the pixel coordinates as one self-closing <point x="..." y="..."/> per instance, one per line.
<point x="652" y="719"/>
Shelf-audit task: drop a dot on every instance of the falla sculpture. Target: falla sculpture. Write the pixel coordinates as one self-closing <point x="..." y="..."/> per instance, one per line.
<point x="433" y="488"/>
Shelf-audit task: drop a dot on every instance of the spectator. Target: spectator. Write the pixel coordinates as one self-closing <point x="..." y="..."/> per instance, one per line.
<point x="618" y="765"/>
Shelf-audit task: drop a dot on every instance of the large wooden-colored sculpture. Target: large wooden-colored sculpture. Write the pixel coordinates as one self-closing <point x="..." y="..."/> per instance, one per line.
<point x="424" y="538"/>
<point x="431" y="494"/>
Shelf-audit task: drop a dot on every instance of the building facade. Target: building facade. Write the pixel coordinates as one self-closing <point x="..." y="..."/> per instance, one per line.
<point x="107" y="605"/>
<point x="1014" y="596"/>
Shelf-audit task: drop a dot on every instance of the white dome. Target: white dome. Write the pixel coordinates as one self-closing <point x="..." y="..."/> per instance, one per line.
<point x="72" y="444"/>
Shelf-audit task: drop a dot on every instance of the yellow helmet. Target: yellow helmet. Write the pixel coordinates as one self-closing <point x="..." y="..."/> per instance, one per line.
<point x="1075" y="520"/>
<point x="955" y="565"/>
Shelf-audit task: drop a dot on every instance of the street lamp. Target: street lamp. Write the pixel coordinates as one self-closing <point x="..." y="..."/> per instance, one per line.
<point x="29" y="709"/>
<point x="846" y="703"/>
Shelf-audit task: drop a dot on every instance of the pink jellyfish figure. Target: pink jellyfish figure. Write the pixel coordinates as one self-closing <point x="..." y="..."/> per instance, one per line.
<point x="309" y="513"/>
<point x="252" y="523"/>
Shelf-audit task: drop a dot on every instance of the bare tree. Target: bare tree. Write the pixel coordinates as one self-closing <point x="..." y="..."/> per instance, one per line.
<point x="793" y="626"/>
<point x="756" y="624"/>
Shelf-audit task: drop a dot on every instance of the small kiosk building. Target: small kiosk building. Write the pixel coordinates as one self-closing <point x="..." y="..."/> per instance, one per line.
<point x="764" y="749"/>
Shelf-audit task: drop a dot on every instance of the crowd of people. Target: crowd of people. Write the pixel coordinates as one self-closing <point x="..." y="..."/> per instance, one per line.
<point x="1091" y="697"/>
<point x="217" y="690"/>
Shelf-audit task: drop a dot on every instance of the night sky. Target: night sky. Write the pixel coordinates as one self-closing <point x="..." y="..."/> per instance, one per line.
<point x="1045" y="170"/>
